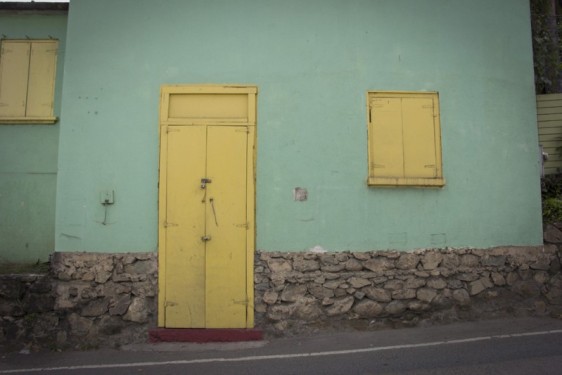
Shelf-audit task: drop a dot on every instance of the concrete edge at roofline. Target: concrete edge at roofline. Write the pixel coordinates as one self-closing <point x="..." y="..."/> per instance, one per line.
<point x="33" y="6"/>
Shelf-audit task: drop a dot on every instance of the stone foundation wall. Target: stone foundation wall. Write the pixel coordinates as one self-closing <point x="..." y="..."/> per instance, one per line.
<point x="91" y="300"/>
<point x="298" y="292"/>
<point x="88" y="300"/>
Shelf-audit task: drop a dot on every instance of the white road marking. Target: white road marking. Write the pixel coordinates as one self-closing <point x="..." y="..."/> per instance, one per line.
<point x="280" y="356"/>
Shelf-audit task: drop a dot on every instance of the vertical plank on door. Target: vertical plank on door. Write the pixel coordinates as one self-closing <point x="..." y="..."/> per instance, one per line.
<point x="185" y="225"/>
<point x="227" y="225"/>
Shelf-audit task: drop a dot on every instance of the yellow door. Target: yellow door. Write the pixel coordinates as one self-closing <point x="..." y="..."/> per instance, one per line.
<point x="226" y="226"/>
<point x="185" y="215"/>
<point x="206" y="213"/>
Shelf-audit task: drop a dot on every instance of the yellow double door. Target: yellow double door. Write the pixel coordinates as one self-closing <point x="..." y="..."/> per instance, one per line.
<point x="206" y="233"/>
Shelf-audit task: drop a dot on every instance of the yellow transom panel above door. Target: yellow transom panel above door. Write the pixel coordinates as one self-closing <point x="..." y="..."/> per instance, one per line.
<point x="224" y="105"/>
<point x="206" y="206"/>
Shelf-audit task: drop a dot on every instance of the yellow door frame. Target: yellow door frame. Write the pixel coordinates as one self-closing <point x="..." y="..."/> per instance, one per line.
<point x="170" y="116"/>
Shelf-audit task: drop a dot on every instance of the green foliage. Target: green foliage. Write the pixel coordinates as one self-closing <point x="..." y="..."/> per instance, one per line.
<point x="551" y="188"/>
<point x="552" y="210"/>
<point x="546" y="46"/>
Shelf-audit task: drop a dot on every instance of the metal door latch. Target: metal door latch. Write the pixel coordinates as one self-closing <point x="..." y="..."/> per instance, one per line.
<point x="205" y="238"/>
<point x="204" y="182"/>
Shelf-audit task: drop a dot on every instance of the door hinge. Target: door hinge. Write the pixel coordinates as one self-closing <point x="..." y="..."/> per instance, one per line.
<point x="245" y="225"/>
<point x="166" y="224"/>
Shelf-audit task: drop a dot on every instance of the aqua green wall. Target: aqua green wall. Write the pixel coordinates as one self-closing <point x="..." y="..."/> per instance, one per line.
<point x="28" y="156"/>
<point x="313" y="62"/>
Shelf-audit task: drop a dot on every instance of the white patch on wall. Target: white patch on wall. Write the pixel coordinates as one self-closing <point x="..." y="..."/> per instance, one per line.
<point x="317" y="249"/>
<point x="300" y="194"/>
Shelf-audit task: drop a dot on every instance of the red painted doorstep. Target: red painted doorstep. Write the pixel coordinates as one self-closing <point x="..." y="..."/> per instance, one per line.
<point x="203" y="335"/>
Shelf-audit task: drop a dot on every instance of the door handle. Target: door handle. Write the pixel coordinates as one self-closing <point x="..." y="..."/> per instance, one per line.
<point x="214" y="213"/>
<point x="204" y="182"/>
<point x="205" y="238"/>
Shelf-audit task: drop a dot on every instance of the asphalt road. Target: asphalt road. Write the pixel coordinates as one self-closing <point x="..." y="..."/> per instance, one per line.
<point x="515" y="346"/>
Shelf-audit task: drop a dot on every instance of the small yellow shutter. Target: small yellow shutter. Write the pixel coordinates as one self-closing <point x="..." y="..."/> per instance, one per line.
<point x="14" y="65"/>
<point x="419" y="137"/>
<point x="41" y="85"/>
<point x="387" y="154"/>
<point x="404" y="139"/>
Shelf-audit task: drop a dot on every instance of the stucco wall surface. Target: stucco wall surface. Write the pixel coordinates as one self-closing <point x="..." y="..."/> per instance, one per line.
<point x="28" y="156"/>
<point x="313" y="62"/>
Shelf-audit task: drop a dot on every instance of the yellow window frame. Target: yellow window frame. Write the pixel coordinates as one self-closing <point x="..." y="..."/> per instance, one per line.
<point x="27" y="81"/>
<point x="404" y="139"/>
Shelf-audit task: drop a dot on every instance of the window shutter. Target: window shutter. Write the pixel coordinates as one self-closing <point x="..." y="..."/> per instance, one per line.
<point x="419" y="138"/>
<point x="404" y="139"/>
<point x="14" y="64"/>
<point x="386" y="138"/>
<point x="41" y="84"/>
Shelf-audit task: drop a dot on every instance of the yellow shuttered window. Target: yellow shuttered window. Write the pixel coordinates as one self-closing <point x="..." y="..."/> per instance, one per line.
<point x="404" y="139"/>
<point x="27" y="81"/>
